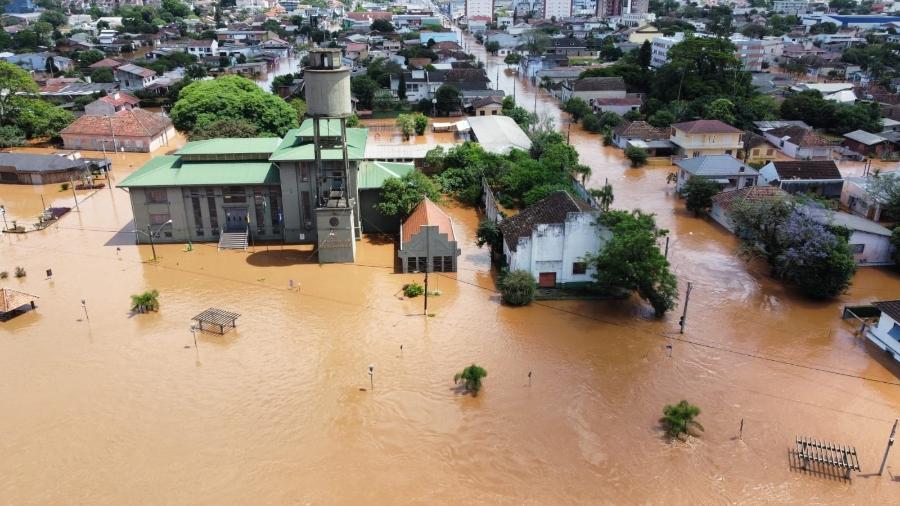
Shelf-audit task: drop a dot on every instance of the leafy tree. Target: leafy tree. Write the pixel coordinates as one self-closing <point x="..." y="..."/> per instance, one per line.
<point x="420" y="122"/>
<point x="885" y="189"/>
<point x="17" y="81"/>
<point x="637" y="156"/>
<point x="721" y="109"/>
<point x="37" y="118"/>
<point x="536" y="42"/>
<point x="232" y="97"/>
<point x="757" y="223"/>
<point x="195" y="71"/>
<point x="492" y="47"/>
<point x="808" y="106"/>
<point x="559" y="157"/>
<point x="89" y="57"/>
<point x="698" y="192"/>
<point x="300" y="107"/>
<point x="103" y="75"/>
<point x="353" y="121"/>
<point x="895" y="243"/>
<point x="146" y="301"/>
<point x="225" y="128"/>
<point x="662" y="118"/>
<point x="720" y="24"/>
<point x="11" y="136"/>
<point x="679" y="420"/>
<point x="488" y="233"/>
<point x="541" y="140"/>
<point x="816" y="259"/>
<point x="363" y="88"/>
<point x="701" y="68"/>
<point x="399" y="196"/>
<point x="471" y="377"/>
<point x="610" y="120"/>
<point x="645" y="54"/>
<point x="518" y="288"/>
<point x="591" y="123"/>
<point x="447" y="99"/>
<point x="631" y="259"/>
<point x="381" y="26"/>
<point x="53" y="18"/>
<point x="512" y="59"/>
<point x="407" y="125"/>
<point x="577" y="107"/>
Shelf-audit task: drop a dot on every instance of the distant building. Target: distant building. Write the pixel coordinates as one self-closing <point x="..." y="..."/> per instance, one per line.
<point x="867" y="144"/>
<point x="479" y="8"/>
<point x="427" y="241"/>
<point x="557" y="9"/>
<point x="643" y="135"/>
<point x="791" y="7"/>
<point x="886" y="333"/>
<point x="660" y="47"/>
<point x="134" y="77"/>
<point x="722" y="203"/>
<point x="125" y="130"/>
<point x="590" y="88"/>
<point x="27" y="168"/>
<point x="111" y="104"/>
<point x="498" y="134"/>
<point x="856" y="197"/>
<point x="550" y="239"/>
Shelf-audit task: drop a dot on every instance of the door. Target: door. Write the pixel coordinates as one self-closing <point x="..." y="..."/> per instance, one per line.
<point x="236" y="219"/>
<point x="547" y="280"/>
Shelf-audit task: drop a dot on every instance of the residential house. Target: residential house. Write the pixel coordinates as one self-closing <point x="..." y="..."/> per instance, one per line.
<point x="133" y="77"/>
<point x="643" y="135"/>
<point x="203" y="48"/>
<point x="837" y="92"/>
<point x="250" y="37"/>
<point x="643" y="34"/>
<point x="757" y="149"/>
<point x="38" y="61"/>
<point x="660" y="47"/>
<point x="488" y="106"/>
<point x="27" y="168"/>
<point x="427" y="241"/>
<point x="498" y="134"/>
<point x="129" y="129"/>
<point x="111" y="104"/>
<point x="800" y="143"/>
<point x="819" y="177"/>
<point x="725" y="170"/>
<point x="568" y="46"/>
<point x="885" y="334"/>
<point x="590" y="88"/>
<point x="870" y="243"/>
<point x="107" y="63"/>
<point x="551" y="238"/>
<point x="858" y="199"/>
<point x="867" y="144"/>
<point x="508" y="43"/>
<point x="356" y="52"/>
<point x="706" y="137"/>
<point x="620" y="106"/>
<point x="722" y="203"/>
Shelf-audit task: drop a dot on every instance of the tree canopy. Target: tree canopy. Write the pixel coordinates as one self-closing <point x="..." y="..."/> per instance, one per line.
<point x="399" y="196"/>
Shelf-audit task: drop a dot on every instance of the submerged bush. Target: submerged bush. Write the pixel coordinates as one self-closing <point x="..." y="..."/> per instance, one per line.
<point x="20" y="272"/>
<point x="413" y="290"/>
<point x="518" y="288"/>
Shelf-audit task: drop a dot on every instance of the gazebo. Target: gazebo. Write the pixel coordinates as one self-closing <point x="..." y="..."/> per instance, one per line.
<point x="224" y="320"/>
<point x="12" y="302"/>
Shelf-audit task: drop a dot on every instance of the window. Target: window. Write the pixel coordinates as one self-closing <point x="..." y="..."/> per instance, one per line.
<point x="437" y="264"/>
<point x="156" y="196"/>
<point x="423" y="264"/>
<point x="235" y="195"/>
<point x="770" y="152"/>
<point x="727" y="151"/>
<point x="579" y="268"/>
<point x="159" y="219"/>
<point x="448" y="264"/>
<point x="755" y="152"/>
<point x="213" y="213"/>
<point x="198" y="216"/>
<point x="857" y="248"/>
<point x="412" y="264"/>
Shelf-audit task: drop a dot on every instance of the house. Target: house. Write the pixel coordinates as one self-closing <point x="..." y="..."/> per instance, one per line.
<point x="886" y="332"/>
<point x="706" y="137"/>
<point x="108" y="63"/>
<point x="250" y="37"/>
<point x="800" y="143"/>
<point x="722" y="203"/>
<point x="370" y="181"/>
<point x="129" y="129"/>
<point x="836" y="92"/>
<point x="568" y="46"/>
<point x="488" y="106"/>
<point x="820" y="177"/>
<point x="727" y="171"/>
<point x="620" y="106"/>
<point x="134" y="77"/>
<point x="551" y="238"/>
<point x="111" y="104"/>
<point x="498" y="134"/>
<point x="870" y="243"/>
<point x="643" y="135"/>
<point x="858" y="199"/>
<point x="26" y="168"/>
<point x="591" y="88"/>
<point x="203" y="48"/>
<point x="643" y="34"/>
<point x="356" y="51"/>
<point x="757" y="149"/>
<point x="427" y="242"/>
<point x="867" y="144"/>
<point x="38" y="62"/>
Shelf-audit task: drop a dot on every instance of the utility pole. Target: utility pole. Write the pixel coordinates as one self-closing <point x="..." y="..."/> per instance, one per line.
<point x="427" y="264"/>
<point x="667" y="247"/>
<point x="74" y="195"/>
<point x="888" y="448"/>
<point x="152" y="246"/>
<point x="687" y="298"/>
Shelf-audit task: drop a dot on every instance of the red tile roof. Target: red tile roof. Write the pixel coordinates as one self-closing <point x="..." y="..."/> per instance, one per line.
<point x="706" y="126"/>
<point x="119" y="98"/>
<point x="372" y="15"/>
<point x="106" y="63"/>
<point x="727" y="199"/>
<point x="427" y="213"/>
<point x="125" y="123"/>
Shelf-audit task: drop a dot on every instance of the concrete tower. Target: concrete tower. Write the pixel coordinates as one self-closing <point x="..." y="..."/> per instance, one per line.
<point x="327" y="84"/>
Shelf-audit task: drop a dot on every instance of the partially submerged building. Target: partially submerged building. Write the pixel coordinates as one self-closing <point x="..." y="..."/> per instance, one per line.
<point x="725" y="170"/>
<point x="427" y="241"/>
<point x="27" y="168"/>
<point x="886" y="333"/>
<point x="819" y="177"/>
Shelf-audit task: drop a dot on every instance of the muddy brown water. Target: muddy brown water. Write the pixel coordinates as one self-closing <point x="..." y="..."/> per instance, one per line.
<point x="111" y="408"/>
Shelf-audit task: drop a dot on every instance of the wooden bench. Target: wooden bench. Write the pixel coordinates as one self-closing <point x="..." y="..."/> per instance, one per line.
<point x="813" y="451"/>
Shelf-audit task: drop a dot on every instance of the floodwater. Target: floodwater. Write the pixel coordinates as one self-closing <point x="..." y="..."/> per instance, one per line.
<point x="105" y="407"/>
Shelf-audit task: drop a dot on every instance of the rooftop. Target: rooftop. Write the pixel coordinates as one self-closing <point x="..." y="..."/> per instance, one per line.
<point x="864" y="137"/>
<point x="727" y="199"/>
<point x="427" y="213"/>
<point x="599" y="84"/>
<point x="224" y="146"/>
<point x="124" y="123"/>
<point x="498" y="134"/>
<point x="136" y="70"/>
<point x="706" y="126"/>
<point x="715" y="165"/>
<point x="373" y="174"/>
<point x="806" y="169"/>
<point x="298" y="143"/>
<point x="803" y="137"/>
<point x="170" y="170"/>
<point x="890" y="308"/>
<point x="28" y="162"/>
<point x="554" y="208"/>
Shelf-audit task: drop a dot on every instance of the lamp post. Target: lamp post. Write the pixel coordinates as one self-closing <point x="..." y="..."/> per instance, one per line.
<point x="3" y="213"/>
<point x="150" y="233"/>
<point x="371" y="374"/>
<point x="434" y="107"/>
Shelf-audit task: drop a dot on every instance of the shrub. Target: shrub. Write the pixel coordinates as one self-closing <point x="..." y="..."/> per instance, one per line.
<point x="4" y="274"/>
<point x="63" y="187"/>
<point x="638" y="156"/>
<point x="20" y="272"/>
<point x="518" y="288"/>
<point x="147" y="301"/>
<point x="678" y="419"/>
<point x="471" y="377"/>
<point x="421" y="123"/>
<point x="591" y="123"/>
<point x="413" y="290"/>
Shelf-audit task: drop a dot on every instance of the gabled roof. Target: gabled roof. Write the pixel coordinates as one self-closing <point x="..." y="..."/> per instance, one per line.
<point x="486" y="101"/>
<point x="136" y="70"/>
<point x="640" y="130"/>
<point x="716" y="165"/>
<point x="554" y="208"/>
<point x="106" y="63"/>
<point x="225" y="146"/>
<point x="427" y="213"/>
<point x="706" y="126"/>
<point x="119" y="98"/>
<point x="599" y="84"/>
<point x="806" y="169"/>
<point x="727" y="199"/>
<point x="124" y="123"/>
<point x="864" y="137"/>
<point x="799" y="136"/>
<point x="13" y="299"/>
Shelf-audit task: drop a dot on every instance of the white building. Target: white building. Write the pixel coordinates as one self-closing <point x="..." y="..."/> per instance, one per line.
<point x="869" y="242"/>
<point x="557" y="9"/>
<point x="551" y="238"/>
<point x="791" y="7"/>
<point x="660" y="49"/>
<point x="480" y="8"/>
<point x="886" y="333"/>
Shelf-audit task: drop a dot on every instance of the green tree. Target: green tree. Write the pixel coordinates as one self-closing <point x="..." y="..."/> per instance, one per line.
<point x="662" y="118"/>
<point x="471" y="377"/>
<point x="381" y="26"/>
<point x="17" y="81"/>
<point x="11" y="136"/>
<point x="536" y="42"/>
<point x="89" y="57"/>
<point x="631" y="259"/>
<point x="884" y="188"/>
<point x="577" y="107"/>
<point x="37" y="118"/>
<point x="637" y="156"/>
<point x="591" y="123"/>
<point x="225" y="128"/>
<point x="604" y="196"/>
<point x="447" y="97"/>
<point x="232" y="97"/>
<point x="300" y="107"/>
<point x="488" y="233"/>
<point x="53" y="18"/>
<point x="698" y="192"/>
<point x="407" y="125"/>
<point x="512" y="59"/>
<point x="399" y="196"/>
<point x="721" y="109"/>
<point x="492" y="47"/>
<point x="644" y="54"/>
<point x="895" y="243"/>
<point x="146" y="301"/>
<point x="559" y="157"/>
<point x="518" y="288"/>
<point x="420" y="123"/>
<point x="679" y="419"/>
<point x="813" y="256"/>
<point x="102" y="75"/>
<point x="364" y="88"/>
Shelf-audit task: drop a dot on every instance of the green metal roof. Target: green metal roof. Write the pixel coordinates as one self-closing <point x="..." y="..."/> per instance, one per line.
<point x="169" y="170"/>
<point x="373" y="174"/>
<point x="230" y="146"/>
<point x="298" y="145"/>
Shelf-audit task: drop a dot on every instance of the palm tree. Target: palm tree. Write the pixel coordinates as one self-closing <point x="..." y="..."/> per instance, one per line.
<point x="582" y="170"/>
<point x="471" y="376"/>
<point x="147" y="301"/>
<point x="679" y="419"/>
<point x="604" y="196"/>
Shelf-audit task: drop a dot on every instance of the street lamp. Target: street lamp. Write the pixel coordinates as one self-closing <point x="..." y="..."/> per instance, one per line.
<point x="3" y="213"/>
<point x="150" y="233"/>
<point x="371" y="373"/>
<point x="434" y="107"/>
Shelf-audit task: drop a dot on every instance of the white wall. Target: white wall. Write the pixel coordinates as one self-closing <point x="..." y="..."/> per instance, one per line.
<point x="556" y="247"/>
<point x="876" y="248"/>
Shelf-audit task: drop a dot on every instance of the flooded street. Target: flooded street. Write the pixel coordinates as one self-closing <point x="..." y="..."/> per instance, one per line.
<point x="105" y="407"/>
